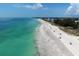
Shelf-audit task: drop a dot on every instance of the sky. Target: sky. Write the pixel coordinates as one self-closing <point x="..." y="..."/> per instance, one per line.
<point x="39" y="9"/>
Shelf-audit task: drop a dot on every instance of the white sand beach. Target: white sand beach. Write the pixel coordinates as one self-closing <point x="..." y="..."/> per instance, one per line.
<point x="51" y="41"/>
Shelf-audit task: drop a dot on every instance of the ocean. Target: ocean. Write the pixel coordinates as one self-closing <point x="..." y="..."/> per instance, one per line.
<point x="17" y="36"/>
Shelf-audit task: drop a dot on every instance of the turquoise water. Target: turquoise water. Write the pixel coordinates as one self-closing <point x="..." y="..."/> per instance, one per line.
<point x="17" y="36"/>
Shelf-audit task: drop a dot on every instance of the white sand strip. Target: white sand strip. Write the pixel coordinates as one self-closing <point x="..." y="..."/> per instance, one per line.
<point x="67" y="39"/>
<point x="49" y="43"/>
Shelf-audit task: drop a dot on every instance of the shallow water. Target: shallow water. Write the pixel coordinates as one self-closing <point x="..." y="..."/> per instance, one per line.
<point x="17" y="36"/>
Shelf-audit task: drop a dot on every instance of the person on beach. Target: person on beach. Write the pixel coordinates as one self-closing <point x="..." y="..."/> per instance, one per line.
<point x="60" y="33"/>
<point x="70" y="43"/>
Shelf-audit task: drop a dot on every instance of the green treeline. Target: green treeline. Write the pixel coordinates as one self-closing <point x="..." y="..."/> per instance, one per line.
<point x="63" y="21"/>
<point x="67" y="22"/>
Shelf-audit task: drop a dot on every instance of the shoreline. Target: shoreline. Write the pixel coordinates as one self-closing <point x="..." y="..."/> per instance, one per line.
<point x="46" y="45"/>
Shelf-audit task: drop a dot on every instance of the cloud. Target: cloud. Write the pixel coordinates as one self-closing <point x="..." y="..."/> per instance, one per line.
<point x="73" y="9"/>
<point x="34" y="6"/>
